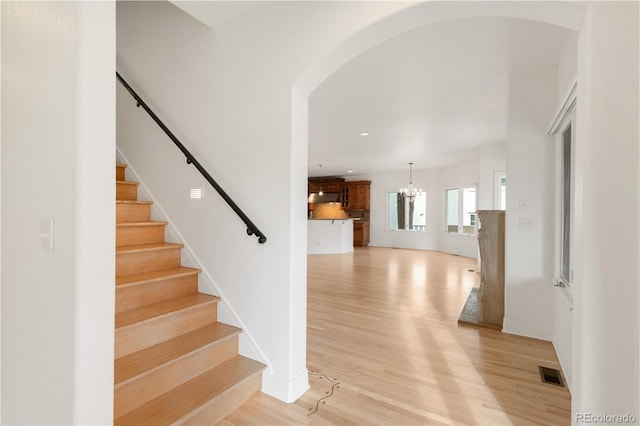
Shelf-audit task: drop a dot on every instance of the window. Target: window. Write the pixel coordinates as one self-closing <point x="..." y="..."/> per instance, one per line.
<point x="461" y="210"/>
<point x="566" y="212"/>
<point x="565" y="201"/>
<point x="405" y="213"/>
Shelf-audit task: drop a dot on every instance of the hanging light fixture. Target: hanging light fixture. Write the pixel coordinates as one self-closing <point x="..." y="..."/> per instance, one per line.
<point x="410" y="192"/>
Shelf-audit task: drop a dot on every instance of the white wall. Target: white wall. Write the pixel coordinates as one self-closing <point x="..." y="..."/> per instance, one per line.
<point x="567" y="66"/>
<point x="563" y="314"/>
<point x="605" y="344"/>
<point x="434" y="182"/>
<point x="492" y="158"/>
<point x="227" y="94"/>
<point x="606" y="333"/>
<point x="252" y="142"/>
<point x="94" y="293"/>
<point x="57" y="352"/>
<point x="529" y="303"/>
<point x="38" y="68"/>
<point x="0" y="229"/>
<point x="381" y="185"/>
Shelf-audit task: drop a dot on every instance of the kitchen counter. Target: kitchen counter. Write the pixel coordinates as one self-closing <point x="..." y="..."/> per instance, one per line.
<point x="329" y="236"/>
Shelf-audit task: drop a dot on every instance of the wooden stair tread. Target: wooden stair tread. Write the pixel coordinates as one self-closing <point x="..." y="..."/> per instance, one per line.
<point x="147" y="277"/>
<point x="147" y="247"/>
<point x="188" y="397"/>
<point x="133" y="202"/>
<point x="137" y="363"/>
<point x="174" y="362"/>
<point x="132" y="224"/>
<point x="136" y="316"/>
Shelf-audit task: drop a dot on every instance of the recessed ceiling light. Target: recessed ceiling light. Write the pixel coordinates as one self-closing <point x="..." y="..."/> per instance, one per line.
<point x="364" y="133"/>
<point x="349" y="171"/>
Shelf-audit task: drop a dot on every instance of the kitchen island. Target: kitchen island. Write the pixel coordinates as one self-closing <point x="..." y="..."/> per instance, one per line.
<point x="327" y="236"/>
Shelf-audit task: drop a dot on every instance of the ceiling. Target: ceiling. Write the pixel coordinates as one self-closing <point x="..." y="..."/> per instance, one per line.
<point x="215" y="13"/>
<point x="430" y="96"/>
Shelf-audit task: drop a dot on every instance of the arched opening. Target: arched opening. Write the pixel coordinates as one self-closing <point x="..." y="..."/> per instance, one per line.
<point x="565" y="16"/>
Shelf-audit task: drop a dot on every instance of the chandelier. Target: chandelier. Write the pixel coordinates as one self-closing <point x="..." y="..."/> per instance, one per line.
<point x="410" y="192"/>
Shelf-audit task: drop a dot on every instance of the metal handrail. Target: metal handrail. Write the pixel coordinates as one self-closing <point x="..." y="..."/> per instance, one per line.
<point x="252" y="229"/>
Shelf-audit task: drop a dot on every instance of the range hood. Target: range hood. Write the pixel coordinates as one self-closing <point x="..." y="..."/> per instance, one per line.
<point x="326" y="197"/>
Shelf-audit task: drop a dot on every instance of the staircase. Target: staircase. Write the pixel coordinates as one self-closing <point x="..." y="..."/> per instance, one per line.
<point x="174" y="363"/>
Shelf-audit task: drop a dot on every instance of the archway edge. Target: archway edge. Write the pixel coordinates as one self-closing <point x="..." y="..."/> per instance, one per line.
<point x="415" y="15"/>
<point x="563" y="14"/>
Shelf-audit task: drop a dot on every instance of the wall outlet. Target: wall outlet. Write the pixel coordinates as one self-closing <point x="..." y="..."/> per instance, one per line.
<point x="526" y="223"/>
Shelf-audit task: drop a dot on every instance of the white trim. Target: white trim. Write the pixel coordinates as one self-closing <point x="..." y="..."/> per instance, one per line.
<point x="387" y="216"/>
<point x="525" y="329"/>
<point x="276" y="386"/>
<point x="568" y="120"/>
<point x="497" y="193"/>
<point x="460" y="190"/>
<point x="561" y="341"/>
<point x="564" y="360"/>
<point x="563" y="109"/>
<point x="287" y="390"/>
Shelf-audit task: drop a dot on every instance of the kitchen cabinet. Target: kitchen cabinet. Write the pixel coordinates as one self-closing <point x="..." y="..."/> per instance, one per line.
<point x="355" y="201"/>
<point x="355" y="195"/>
<point x="360" y="234"/>
<point x="325" y="185"/>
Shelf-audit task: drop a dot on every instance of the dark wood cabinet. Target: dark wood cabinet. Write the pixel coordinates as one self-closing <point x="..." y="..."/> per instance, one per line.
<point x="325" y="185"/>
<point x="360" y="233"/>
<point x="355" y="200"/>
<point x="355" y="195"/>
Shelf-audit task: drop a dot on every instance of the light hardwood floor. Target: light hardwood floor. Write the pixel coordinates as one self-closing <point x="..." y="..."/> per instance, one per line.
<point x="384" y="347"/>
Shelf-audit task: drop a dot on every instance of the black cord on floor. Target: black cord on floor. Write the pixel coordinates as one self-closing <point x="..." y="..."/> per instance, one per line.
<point x="334" y="385"/>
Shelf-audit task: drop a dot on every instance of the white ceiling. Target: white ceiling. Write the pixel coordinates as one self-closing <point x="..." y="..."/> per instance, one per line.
<point x="430" y="96"/>
<point x="215" y="13"/>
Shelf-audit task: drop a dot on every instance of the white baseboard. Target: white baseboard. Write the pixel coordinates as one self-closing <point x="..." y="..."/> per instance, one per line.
<point x="525" y="329"/>
<point x="287" y="390"/>
<point x="206" y="284"/>
<point x="565" y="362"/>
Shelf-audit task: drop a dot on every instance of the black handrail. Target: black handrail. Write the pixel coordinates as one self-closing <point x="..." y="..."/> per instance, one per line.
<point x="251" y="228"/>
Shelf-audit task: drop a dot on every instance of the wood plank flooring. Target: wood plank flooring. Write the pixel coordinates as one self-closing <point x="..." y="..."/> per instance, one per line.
<point x="384" y="348"/>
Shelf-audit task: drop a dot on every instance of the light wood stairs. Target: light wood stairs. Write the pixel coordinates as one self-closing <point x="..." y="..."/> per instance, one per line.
<point x="174" y="362"/>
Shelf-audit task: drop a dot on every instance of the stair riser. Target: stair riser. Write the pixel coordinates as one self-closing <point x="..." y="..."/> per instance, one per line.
<point x="160" y="380"/>
<point x="145" y="234"/>
<point x="136" y="296"/>
<point x="225" y="404"/>
<point x="120" y="173"/>
<point x="126" y="213"/>
<point x="131" y="395"/>
<point x="148" y="333"/>
<point x="145" y="261"/>
<point x="126" y="192"/>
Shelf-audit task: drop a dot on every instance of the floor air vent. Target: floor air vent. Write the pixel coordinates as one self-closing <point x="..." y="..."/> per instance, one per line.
<point x="550" y="375"/>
